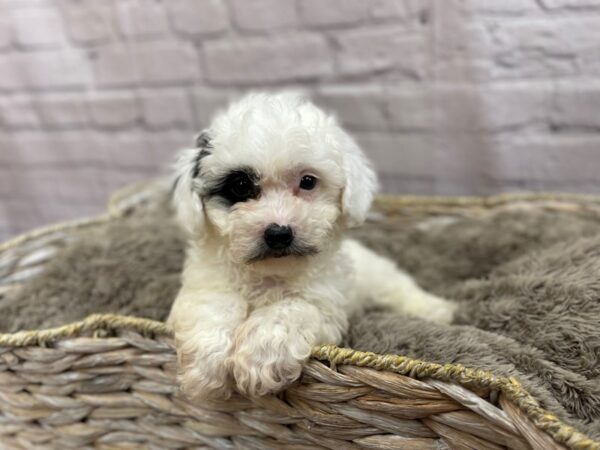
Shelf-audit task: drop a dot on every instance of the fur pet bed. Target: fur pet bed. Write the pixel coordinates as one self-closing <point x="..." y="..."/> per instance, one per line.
<point x="526" y="273"/>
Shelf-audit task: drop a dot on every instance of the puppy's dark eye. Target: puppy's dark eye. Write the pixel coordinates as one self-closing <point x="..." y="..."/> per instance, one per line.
<point x="308" y="182"/>
<point x="239" y="188"/>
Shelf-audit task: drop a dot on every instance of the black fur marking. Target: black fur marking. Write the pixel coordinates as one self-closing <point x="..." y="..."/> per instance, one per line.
<point x="203" y="142"/>
<point x="201" y="154"/>
<point x="239" y="185"/>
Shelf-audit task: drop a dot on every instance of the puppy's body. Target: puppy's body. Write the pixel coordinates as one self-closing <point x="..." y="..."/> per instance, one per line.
<point x="265" y="199"/>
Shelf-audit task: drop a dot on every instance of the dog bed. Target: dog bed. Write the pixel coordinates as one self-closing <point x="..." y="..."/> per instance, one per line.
<point x="519" y="369"/>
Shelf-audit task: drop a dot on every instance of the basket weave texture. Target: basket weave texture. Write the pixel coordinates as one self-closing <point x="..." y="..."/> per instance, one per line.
<point x="109" y="381"/>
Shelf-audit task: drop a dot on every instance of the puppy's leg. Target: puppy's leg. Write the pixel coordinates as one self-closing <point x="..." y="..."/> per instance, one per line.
<point x="378" y="279"/>
<point x="204" y="324"/>
<point x="274" y="342"/>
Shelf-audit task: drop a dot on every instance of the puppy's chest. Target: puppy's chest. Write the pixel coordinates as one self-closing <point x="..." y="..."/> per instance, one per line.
<point x="269" y="291"/>
<point x="320" y="292"/>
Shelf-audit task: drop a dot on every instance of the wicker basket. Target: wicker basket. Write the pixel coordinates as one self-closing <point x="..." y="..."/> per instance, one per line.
<point x="108" y="381"/>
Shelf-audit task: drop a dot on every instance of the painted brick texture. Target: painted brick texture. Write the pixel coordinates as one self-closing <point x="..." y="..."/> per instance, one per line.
<point x="446" y="96"/>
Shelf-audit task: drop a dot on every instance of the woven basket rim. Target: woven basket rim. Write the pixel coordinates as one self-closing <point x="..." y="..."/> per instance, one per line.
<point x="334" y="355"/>
<point x="414" y="368"/>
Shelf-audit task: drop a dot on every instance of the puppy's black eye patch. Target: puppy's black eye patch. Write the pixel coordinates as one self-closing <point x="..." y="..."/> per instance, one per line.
<point x="238" y="186"/>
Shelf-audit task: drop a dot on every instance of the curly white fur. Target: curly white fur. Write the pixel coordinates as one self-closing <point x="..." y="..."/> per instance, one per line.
<point x="249" y="322"/>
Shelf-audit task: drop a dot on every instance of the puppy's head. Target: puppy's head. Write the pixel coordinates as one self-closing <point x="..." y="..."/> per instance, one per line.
<point x="273" y="181"/>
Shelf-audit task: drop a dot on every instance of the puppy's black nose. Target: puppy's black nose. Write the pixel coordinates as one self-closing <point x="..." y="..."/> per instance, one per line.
<point x="278" y="237"/>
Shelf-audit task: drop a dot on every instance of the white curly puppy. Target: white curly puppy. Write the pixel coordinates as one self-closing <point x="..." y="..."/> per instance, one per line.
<point x="265" y="197"/>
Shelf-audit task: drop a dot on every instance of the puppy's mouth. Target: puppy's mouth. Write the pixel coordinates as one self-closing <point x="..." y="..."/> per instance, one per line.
<point x="264" y="252"/>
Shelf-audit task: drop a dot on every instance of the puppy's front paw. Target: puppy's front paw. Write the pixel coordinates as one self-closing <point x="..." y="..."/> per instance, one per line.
<point x="256" y="377"/>
<point x="203" y="375"/>
<point x="198" y="383"/>
<point x="264" y="364"/>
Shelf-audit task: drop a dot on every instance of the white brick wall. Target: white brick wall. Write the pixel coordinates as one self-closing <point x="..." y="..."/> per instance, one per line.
<point x="447" y="96"/>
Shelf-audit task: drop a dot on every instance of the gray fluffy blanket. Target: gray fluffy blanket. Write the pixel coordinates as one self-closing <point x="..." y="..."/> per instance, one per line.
<point x="528" y="283"/>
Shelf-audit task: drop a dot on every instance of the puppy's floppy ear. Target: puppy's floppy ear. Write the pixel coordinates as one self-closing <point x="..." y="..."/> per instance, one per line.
<point x="360" y="183"/>
<point x="187" y="184"/>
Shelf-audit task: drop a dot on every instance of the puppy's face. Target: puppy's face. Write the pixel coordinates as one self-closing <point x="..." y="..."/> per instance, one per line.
<point x="279" y="203"/>
<point x="272" y="180"/>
